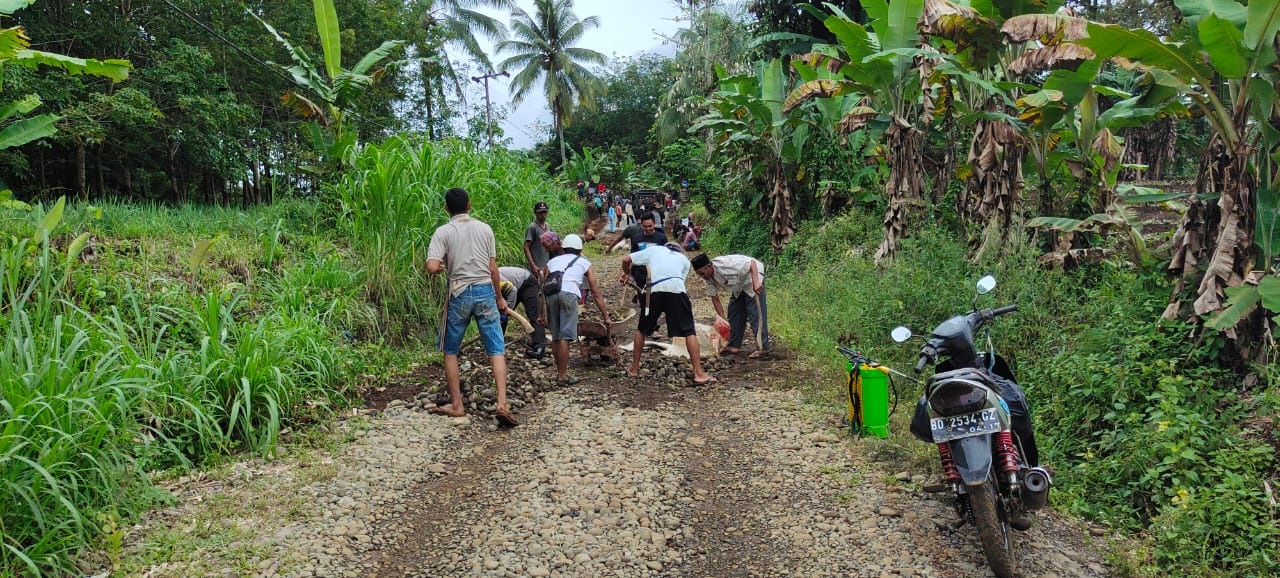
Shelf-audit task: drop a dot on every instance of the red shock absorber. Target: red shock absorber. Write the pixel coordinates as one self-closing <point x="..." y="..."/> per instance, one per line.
<point x="1007" y="451"/>
<point x="949" y="470"/>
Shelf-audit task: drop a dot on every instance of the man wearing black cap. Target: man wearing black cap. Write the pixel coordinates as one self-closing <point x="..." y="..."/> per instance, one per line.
<point x="742" y="277"/>
<point x="536" y="257"/>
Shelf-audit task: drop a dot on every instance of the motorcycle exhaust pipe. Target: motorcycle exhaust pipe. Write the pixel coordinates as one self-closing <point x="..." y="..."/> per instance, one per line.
<point x="1035" y="488"/>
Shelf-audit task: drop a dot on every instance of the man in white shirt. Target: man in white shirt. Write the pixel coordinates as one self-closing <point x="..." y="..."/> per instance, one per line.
<point x="562" y="306"/>
<point x="666" y="295"/>
<point x="743" y="278"/>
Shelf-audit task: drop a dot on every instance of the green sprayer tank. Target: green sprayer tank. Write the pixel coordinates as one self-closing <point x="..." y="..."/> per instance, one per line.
<point x="868" y="396"/>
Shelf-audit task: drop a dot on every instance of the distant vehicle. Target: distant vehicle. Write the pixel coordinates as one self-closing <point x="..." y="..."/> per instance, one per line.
<point x="647" y="197"/>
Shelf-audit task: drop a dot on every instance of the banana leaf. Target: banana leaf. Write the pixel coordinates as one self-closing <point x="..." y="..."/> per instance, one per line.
<point x="27" y="130"/>
<point x="330" y="35"/>
<point x="115" y="69"/>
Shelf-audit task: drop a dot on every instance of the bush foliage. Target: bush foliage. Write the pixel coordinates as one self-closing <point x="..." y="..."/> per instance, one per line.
<point x="1143" y="426"/>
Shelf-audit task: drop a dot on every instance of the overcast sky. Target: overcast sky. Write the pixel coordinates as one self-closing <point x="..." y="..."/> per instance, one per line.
<point x="627" y="27"/>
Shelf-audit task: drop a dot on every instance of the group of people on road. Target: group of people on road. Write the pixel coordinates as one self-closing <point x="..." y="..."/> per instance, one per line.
<point x="556" y="278"/>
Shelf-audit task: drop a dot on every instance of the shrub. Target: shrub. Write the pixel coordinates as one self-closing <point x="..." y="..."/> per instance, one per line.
<point x="1141" y="423"/>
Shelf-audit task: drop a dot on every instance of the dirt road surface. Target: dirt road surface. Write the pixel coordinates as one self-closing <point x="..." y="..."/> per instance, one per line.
<point x="612" y="476"/>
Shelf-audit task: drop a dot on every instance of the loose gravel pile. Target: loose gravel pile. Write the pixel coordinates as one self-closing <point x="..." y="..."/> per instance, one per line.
<point x="645" y="481"/>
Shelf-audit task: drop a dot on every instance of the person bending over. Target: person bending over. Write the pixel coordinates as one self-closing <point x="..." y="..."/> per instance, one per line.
<point x="742" y="277"/>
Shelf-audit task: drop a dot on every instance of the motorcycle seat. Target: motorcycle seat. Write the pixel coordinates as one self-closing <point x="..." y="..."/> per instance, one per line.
<point x="969" y="374"/>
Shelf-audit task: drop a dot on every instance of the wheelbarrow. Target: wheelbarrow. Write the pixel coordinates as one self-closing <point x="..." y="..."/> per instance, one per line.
<point x="600" y="343"/>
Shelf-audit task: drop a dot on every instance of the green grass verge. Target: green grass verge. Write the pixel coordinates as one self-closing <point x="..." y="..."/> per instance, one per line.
<point x="1142" y="424"/>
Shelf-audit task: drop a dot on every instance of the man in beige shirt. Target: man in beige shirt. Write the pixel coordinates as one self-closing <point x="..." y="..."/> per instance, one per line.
<point x="466" y="248"/>
<point x="742" y="277"/>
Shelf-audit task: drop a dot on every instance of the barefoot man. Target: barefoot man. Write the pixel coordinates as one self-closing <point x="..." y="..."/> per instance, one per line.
<point x="665" y="295"/>
<point x="466" y="248"/>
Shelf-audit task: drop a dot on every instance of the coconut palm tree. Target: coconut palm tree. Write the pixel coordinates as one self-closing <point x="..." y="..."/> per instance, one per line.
<point x="542" y="50"/>
<point x="459" y="22"/>
<point x="713" y="37"/>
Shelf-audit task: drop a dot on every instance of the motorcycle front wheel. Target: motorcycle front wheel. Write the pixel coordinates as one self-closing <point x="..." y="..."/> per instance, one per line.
<point x="993" y="528"/>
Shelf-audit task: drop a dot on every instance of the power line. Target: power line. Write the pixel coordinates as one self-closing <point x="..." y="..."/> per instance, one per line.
<point x="259" y="61"/>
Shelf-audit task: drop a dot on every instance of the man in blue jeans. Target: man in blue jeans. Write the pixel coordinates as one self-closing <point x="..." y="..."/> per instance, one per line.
<point x="466" y="248"/>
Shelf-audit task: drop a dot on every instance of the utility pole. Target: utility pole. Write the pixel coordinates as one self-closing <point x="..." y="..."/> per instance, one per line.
<point x="488" y="108"/>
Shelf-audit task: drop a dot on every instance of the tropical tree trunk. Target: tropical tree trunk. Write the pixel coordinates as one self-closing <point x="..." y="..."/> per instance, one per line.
<point x="431" y="120"/>
<point x="780" y="194"/>
<point x="266" y="171"/>
<point x="100" y="172"/>
<point x="906" y="180"/>
<point x="81" y="175"/>
<point x="995" y="188"/>
<point x="946" y="170"/>
<point x="126" y="173"/>
<point x="1222" y="233"/>
<point x="560" y="138"/>
<point x="1152" y="145"/>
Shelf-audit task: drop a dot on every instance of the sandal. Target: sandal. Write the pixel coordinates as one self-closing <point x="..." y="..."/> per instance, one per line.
<point x="758" y="354"/>
<point x="505" y="419"/>
<point x="571" y="380"/>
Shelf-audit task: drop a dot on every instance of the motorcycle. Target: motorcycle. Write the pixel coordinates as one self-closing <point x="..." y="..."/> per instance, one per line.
<point x="973" y="409"/>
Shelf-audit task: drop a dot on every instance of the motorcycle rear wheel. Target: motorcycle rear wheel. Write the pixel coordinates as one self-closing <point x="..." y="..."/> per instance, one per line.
<point x="993" y="528"/>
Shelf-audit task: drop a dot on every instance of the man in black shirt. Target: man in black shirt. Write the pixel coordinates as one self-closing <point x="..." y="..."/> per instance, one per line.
<point x="641" y="235"/>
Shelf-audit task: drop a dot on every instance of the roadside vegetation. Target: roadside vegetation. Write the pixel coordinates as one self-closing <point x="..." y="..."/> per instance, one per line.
<point x="141" y="339"/>
<point x="203" y="252"/>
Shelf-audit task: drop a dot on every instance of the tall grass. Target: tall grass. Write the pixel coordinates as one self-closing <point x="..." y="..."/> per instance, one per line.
<point x="64" y="414"/>
<point x="182" y="333"/>
<point x="392" y="200"/>
<point x="114" y="364"/>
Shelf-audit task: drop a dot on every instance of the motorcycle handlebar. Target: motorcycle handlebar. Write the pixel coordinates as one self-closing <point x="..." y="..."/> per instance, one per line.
<point x="1002" y="310"/>
<point x="920" y="364"/>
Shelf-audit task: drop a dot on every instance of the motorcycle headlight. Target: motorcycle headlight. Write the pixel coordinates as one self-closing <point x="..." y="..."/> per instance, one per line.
<point x="957" y="397"/>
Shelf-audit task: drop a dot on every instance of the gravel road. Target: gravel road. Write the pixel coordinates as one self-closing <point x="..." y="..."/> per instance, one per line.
<point x="609" y="477"/>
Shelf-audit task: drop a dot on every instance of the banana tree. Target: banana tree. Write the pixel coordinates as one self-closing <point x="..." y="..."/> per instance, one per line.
<point x="335" y="87"/>
<point x="15" y="48"/>
<point x="880" y="69"/>
<point x="587" y="167"/>
<point x="1226" y="66"/>
<point x="747" y="123"/>
<point x="982" y="97"/>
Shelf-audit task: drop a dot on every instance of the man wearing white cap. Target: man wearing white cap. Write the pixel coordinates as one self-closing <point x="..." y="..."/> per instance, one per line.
<point x="562" y="306"/>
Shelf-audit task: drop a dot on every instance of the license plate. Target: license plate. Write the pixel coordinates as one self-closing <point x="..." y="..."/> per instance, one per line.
<point x="963" y="426"/>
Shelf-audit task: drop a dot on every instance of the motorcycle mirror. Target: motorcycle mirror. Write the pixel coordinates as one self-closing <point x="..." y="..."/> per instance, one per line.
<point x="986" y="284"/>
<point x="901" y="334"/>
